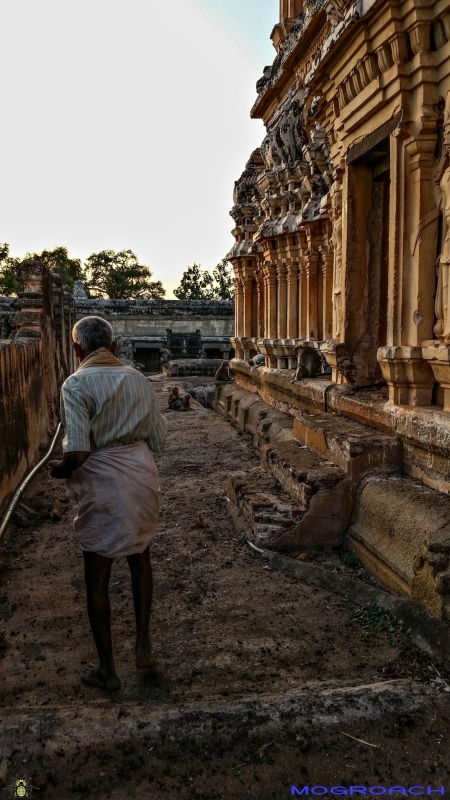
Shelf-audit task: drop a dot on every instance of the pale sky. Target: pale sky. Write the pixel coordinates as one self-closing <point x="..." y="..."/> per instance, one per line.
<point x="126" y="123"/>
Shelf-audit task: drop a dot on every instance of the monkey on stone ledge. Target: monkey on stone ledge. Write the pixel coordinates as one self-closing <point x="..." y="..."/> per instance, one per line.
<point x="177" y="403"/>
<point x="223" y="373"/>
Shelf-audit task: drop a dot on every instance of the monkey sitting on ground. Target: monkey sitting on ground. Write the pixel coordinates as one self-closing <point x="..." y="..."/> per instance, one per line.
<point x="223" y="373"/>
<point x="177" y="403"/>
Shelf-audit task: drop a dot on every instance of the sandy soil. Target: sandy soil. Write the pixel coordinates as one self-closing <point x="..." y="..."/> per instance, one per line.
<point x="224" y="628"/>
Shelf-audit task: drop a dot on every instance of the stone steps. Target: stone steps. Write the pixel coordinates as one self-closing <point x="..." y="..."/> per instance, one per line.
<point x="301" y="473"/>
<point x="267" y="511"/>
<point x="294" y="499"/>
<point x="337" y="481"/>
<point x="354" y="447"/>
<point x="314" y="465"/>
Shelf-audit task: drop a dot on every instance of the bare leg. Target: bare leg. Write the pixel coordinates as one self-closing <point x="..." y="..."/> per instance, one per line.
<point x="97" y="571"/>
<point x="142" y="585"/>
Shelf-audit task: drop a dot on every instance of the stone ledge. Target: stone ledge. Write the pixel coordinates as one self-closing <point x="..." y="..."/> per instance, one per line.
<point x="422" y="430"/>
<point x="276" y="387"/>
<point x="407" y="527"/>
<point x="83" y="728"/>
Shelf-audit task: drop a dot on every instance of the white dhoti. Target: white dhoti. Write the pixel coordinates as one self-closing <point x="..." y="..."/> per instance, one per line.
<point x="117" y="493"/>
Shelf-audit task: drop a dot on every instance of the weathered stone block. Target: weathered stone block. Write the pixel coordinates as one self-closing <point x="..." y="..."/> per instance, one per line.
<point x="405" y="525"/>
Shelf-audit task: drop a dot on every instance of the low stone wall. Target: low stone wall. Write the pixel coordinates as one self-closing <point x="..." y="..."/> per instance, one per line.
<point x="24" y="417"/>
<point x="187" y="367"/>
<point x="153" y="317"/>
<point x="33" y="365"/>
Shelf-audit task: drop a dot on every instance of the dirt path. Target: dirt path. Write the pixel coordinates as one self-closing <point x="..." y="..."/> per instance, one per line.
<point x="227" y="631"/>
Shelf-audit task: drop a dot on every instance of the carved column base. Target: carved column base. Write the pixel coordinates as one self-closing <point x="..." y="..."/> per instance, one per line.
<point x="244" y="347"/>
<point x="279" y="353"/>
<point x="336" y="356"/>
<point x="437" y="354"/>
<point x="409" y="377"/>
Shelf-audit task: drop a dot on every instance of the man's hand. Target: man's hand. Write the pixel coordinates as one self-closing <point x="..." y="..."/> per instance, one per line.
<point x="68" y="464"/>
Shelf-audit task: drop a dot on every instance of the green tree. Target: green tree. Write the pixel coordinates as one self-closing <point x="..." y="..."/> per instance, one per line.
<point x="9" y="285"/>
<point x="200" y="284"/>
<point x="57" y="260"/>
<point x="195" y="284"/>
<point x="223" y="281"/>
<point x="119" y="276"/>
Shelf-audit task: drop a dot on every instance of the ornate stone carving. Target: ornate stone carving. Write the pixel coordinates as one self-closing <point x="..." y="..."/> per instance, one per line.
<point x="442" y="183"/>
<point x="336" y="239"/>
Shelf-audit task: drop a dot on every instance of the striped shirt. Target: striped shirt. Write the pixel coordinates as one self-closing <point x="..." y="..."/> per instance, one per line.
<point x="104" y="407"/>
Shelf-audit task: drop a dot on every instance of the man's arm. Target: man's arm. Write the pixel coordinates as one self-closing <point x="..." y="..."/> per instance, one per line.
<point x="75" y="419"/>
<point x="159" y="425"/>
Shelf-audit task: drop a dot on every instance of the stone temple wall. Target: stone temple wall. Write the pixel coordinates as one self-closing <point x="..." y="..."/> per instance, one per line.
<point x="140" y="326"/>
<point x="34" y="361"/>
<point x="153" y="317"/>
<point x="342" y="286"/>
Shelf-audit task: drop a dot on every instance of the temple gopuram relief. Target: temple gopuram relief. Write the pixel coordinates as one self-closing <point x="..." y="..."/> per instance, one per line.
<point x="342" y="283"/>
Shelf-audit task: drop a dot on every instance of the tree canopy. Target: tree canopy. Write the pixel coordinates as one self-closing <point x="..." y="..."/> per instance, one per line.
<point x="9" y="285"/>
<point x="120" y="276"/>
<point x="223" y="281"/>
<point x="57" y="260"/>
<point x="200" y="284"/>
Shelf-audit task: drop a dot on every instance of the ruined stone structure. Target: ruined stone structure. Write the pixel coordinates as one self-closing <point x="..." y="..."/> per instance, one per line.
<point x="35" y="358"/>
<point x="341" y="262"/>
<point x="143" y="326"/>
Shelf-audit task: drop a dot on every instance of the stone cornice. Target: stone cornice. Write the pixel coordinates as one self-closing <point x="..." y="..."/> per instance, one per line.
<point x="337" y="16"/>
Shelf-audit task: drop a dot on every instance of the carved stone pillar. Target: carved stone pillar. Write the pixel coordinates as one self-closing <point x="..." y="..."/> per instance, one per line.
<point x="292" y="300"/>
<point x="327" y="299"/>
<point x="261" y="307"/>
<point x="272" y="300"/>
<point x="312" y="257"/>
<point x="282" y="302"/>
<point x="411" y="267"/>
<point x="336" y="244"/>
<point x="419" y="282"/>
<point x="239" y="307"/>
<point x="302" y="301"/>
<point x="247" y="287"/>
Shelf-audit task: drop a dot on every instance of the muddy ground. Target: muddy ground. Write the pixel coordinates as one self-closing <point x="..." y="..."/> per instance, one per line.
<point x="229" y="633"/>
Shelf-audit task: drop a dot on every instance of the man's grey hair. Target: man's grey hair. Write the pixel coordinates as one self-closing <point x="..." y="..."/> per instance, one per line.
<point x="91" y="333"/>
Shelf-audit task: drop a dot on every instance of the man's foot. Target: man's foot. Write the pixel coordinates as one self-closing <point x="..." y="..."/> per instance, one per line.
<point x="109" y="683"/>
<point x="144" y="658"/>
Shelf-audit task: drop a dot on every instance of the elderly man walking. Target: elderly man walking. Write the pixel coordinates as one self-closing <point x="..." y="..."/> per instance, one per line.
<point x="113" y="424"/>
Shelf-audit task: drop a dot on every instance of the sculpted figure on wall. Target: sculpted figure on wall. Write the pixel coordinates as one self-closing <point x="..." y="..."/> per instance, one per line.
<point x="336" y="240"/>
<point x="442" y="180"/>
<point x="285" y="143"/>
